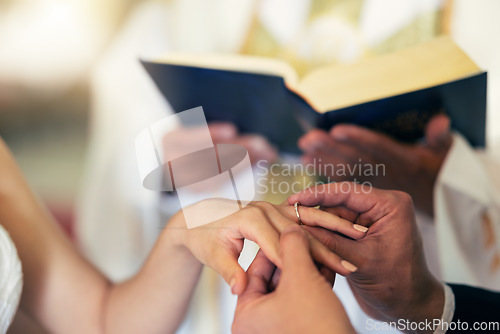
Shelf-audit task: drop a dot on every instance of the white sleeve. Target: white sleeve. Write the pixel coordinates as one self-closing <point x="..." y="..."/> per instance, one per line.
<point x="467" y="215"/>
<point x="448" y="310"/>
<point x="11" y="280"/>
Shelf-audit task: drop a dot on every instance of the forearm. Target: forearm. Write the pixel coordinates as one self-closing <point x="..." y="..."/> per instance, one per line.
<point x="65" y="293"/>
<point x="419" y="305"/>
<point x="428" y="307"/>
<point x="156" y="299"/>
<point x="58" y="279"/>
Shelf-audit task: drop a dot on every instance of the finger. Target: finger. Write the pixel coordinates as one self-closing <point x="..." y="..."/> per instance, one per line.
<point x="342" y="212"/>
<point x="275" y="279"/>
<point x="316" y="217"/>
<point x="437" y="133"/>
<point x="321" y="149"/>
<point x="258" y="148"/>
<point x="231" y="271"/>
<point x="278" y="220"/>
<point x="330" y="259"/>
<point x="342" y="153"/>
<point x="313" y="140"/>
<point x="259" y="275"/>
<point x="346" y="249"/>
<point x="328" y="274"/>
<point x="380" y="146"/>
<point x="295" y="253"/>
<point x="356" y="197"/>
<point x="257" y="227"/>
<point x="319" y="252"/>
<point x="222" y="131"/>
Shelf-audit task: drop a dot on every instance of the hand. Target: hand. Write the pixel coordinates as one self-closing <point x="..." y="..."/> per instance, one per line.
<point x="221" y="133"/>
<point x="219" y="244"/>
<point x="412" y="168"/>
<point x="186" y="149"/>
<point x="303" y="301"/>
<point x="392" y="281"/>
<point x="258" y="147"/>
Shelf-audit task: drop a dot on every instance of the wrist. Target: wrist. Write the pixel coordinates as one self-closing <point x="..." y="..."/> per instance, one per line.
<point x="427" y="305"/>
<point x="175" y="234"/>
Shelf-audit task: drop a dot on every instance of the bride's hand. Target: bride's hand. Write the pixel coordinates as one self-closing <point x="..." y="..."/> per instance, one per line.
<point x="219" y="243"/>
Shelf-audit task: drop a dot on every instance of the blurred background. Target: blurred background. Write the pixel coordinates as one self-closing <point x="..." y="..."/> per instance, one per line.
<point x="65" y="65"/>
<point x="47" y="50"/>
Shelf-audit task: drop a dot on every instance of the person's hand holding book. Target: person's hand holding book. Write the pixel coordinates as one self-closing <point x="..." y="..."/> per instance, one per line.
<point x="258" y="147"/>
<point x="412" y="168"/>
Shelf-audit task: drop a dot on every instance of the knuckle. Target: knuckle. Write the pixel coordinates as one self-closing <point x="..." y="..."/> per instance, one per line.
<point x="265" y="206"/>
<point x="331" y="244"/>
<point x="316" y="134"/>
<point x="254" y="212"/>
<point x="403" y="198"/>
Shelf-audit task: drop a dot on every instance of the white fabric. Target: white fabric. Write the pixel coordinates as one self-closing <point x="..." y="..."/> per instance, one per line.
<point x="448" y="311"/>
<point x="377" y="26"/>
<point x="468" y="192"/>
<point x="11" y="280"/>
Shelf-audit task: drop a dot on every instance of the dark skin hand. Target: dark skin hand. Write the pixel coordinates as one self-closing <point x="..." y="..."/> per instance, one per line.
<point x="392" y="281"/>
<point x="412" y="168"/>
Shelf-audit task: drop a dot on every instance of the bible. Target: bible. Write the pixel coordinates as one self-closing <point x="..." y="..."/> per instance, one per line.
<point x="395" y="93"/>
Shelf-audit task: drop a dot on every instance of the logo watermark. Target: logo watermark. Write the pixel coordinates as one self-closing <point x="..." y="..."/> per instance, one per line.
<point x="178" y="154"/>
<point x="405" y="325"/>
<point x="286" y="178"/>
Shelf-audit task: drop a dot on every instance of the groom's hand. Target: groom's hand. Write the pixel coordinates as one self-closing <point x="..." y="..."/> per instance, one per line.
<point x="392" y="281"/>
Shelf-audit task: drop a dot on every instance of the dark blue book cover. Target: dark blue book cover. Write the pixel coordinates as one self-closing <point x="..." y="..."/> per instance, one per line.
<point x="262" y="103"/>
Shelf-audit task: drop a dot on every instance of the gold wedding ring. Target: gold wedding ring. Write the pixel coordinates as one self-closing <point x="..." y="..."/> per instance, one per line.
<point x="296" y="206"/>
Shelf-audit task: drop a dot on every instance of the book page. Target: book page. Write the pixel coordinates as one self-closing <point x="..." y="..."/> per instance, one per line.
<point x="422" y="66"/>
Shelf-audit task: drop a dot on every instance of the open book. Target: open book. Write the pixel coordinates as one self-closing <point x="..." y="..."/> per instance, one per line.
<point x="395" y="93"/>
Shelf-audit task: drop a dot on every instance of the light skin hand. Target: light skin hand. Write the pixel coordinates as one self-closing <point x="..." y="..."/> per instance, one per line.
<point x="392" y="281"/>
<point x="303" y="301"/>
<point x="56" y="277"/>
<point x="221" y="133"/>
<point x="155" y="300"/>
<point x="258" y="147"/>
<point x="219" y="244"/>
<point x="412" y="168"/>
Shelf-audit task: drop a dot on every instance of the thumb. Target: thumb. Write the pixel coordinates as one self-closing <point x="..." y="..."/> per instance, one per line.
<point x="437" y="132"/>
<point x="230" y="270"/>
<point x="222" y="132"/>
<point x="295" y="254"/>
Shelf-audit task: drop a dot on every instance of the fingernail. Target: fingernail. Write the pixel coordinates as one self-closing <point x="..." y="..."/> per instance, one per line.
<point x="349" y="266"/>
<point x="232" y="284"/>
<point x="360" y="228"/>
